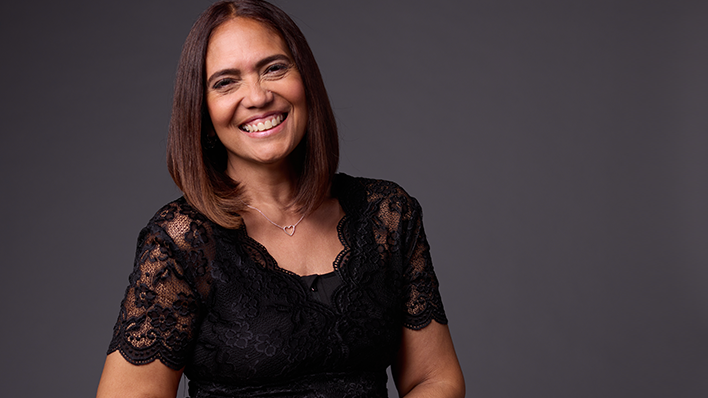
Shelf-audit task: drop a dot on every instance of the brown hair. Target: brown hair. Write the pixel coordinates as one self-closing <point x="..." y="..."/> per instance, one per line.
<point x="198" y="167"/>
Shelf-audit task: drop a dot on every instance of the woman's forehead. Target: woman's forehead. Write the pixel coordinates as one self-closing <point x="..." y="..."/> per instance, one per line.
<point x="243" y="41"/>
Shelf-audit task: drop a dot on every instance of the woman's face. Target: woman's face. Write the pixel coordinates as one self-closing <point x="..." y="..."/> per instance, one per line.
<point x="254" y="93"/>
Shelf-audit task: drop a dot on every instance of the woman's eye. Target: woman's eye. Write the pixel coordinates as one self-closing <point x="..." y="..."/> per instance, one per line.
<point x="276" y="69"/>
<point x="220" y="84"/>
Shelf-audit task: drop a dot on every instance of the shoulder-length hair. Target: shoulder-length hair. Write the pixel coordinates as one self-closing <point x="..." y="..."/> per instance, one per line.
<point x="198" y="166"/>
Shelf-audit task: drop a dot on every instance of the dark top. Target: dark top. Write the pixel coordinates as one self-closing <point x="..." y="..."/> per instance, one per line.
<point x="214" y="301"/>
<point x="322" y="287"/>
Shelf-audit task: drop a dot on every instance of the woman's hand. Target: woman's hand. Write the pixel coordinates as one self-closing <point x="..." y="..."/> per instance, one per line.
<point x="122" y="379"/>
<point x="427" y="365"/>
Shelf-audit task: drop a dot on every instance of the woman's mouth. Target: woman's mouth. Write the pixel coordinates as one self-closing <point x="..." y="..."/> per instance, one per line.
<point x="264" y="125"/>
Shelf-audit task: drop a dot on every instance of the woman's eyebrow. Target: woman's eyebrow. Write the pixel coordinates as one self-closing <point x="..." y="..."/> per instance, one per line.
<point x="274" y="57"/>
<point x="259" y="65"/>
<point x="218" y="74"/>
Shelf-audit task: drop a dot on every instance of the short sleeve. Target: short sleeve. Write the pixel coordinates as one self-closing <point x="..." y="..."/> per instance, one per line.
<point x="422" y="299"/>
<point x="158" y="315"/>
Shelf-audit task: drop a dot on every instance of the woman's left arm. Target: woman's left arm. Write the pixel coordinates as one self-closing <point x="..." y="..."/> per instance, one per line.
<point x="427" y="365"/>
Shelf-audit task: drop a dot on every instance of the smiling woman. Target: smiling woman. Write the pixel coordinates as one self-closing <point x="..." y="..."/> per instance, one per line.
<point x="198" y="162"/>
<point x="320" y="305"/>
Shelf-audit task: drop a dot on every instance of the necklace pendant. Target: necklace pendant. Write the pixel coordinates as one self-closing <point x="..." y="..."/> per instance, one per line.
<point x="288" y="229"/>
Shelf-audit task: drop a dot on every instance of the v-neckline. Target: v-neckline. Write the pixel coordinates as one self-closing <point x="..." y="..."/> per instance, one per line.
<point x="336" y="263"/>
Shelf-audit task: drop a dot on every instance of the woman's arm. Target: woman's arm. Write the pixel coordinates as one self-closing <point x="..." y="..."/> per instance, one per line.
<point x="122" y="379"/>
<point x="427" y="365"/>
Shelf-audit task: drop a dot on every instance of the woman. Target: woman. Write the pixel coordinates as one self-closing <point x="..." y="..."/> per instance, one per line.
<point x="273" y="276"/>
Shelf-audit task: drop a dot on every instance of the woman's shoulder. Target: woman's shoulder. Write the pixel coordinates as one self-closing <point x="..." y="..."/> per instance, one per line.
<point x="181" y="222"/>
<point x="374" y="191"/>
<point x="176" y="212"/>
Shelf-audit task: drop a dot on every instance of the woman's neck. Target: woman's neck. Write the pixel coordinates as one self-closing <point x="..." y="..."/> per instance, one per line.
<point x="271" y="186"/>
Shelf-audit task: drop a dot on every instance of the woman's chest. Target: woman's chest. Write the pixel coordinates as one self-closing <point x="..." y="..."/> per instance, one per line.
<point x="310" y="246"/>
<point x="261" y="321"/>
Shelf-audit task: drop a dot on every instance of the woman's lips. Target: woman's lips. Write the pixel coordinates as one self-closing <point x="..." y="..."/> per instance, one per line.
<point x="263" y="124"/>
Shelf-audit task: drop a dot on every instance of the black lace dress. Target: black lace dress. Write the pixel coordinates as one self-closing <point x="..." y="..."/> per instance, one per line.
<point x="212" y="300"/>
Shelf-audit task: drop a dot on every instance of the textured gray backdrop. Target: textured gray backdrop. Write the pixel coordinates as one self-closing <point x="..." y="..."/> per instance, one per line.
<point x="559" y="149"/>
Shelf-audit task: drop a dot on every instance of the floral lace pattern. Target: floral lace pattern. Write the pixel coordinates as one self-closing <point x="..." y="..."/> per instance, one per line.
<point x="214" y="301"/>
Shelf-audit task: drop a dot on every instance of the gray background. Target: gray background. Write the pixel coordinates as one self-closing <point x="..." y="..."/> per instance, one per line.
<point x="559" y="149"/>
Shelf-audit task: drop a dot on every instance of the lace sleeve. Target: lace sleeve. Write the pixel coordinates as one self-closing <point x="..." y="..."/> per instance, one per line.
<point x="158" y="315"/>
<point x="422" y="297"/>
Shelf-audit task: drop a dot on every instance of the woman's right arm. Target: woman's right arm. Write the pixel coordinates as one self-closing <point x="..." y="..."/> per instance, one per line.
<point x="157" y="321"/>
<point x="122" y="379"/>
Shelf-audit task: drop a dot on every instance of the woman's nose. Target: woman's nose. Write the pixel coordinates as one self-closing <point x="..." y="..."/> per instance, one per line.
<point x="256" y="95"/>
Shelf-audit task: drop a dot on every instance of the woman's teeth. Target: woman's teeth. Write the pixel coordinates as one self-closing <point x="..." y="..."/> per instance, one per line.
<point x="262" y="126"/>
